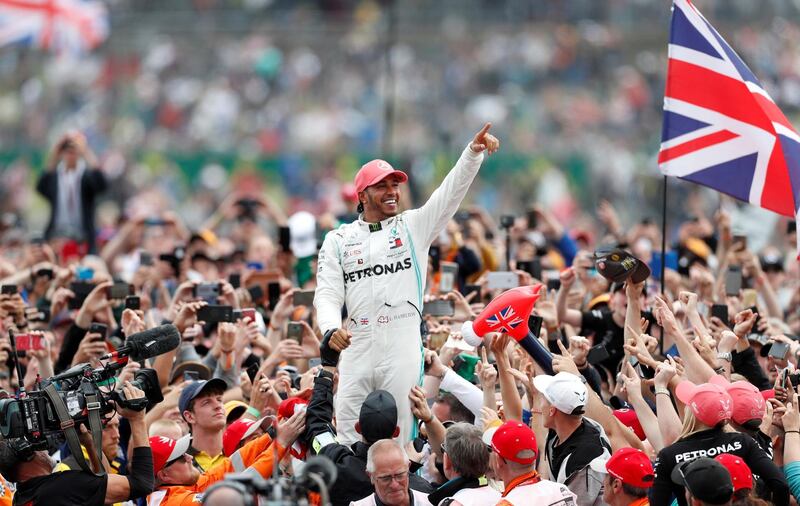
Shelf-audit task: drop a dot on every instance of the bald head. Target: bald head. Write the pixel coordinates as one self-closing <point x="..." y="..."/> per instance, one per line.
<point x="223" y="496"/>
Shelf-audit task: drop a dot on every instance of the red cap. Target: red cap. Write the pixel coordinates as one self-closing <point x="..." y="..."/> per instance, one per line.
<point x="290" y="406"/>
<point x="738" y="469"/>
<point x="165" y="450"/>
<point x="514" y="438"/>
<point x="630" y="419"/>
<point x="630" y="465"/>
<point x="236" y="432"/>
<point x="748" y="402"/>
<point x="374" y="172"/>
<point x="710" y="403"/>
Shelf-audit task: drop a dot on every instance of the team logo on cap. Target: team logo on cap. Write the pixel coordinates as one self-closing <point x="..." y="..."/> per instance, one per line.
<point x="383" y="165"/>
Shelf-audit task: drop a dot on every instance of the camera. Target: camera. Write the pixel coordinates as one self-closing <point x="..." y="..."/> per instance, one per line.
<point x="33" y="418"/>
<point x="507" y="220"/>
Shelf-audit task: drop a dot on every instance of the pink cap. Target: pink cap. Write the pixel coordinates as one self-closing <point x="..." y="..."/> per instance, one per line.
<point x="748" y="403"/>
<point x="376" y="171"/>
<point x="710" y="403"/>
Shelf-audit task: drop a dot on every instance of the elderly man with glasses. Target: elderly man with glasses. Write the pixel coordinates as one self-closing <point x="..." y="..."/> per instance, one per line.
<point x="387" y="467"/>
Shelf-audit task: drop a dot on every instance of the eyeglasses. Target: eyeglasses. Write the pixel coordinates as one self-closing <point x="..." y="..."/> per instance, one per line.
<point x="386" y="480"/>
<point x="182" y="458"/>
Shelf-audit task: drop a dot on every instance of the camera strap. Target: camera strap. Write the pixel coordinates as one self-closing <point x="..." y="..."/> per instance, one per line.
<point x="68" y="426"/>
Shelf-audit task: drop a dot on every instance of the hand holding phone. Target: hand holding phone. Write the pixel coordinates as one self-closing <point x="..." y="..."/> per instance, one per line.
<point x="295" y="331"/>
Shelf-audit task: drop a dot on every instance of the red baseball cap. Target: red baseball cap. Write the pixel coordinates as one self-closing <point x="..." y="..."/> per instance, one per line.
<point x="374" y="172"/>
<point x="710" y="403"/>
<point x="630" y="465"/>
<point x="741" y="476"/>
<point x="748" y="402"/>
<point x="514" y="438"/>
<point x="236" y="432"/>
<point x="630" y="419"/>
<point x="166" y="450"/>
<point x="289" y="407"/>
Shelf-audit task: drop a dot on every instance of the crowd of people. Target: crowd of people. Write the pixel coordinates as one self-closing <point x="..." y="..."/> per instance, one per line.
<point x="339" y="337"/>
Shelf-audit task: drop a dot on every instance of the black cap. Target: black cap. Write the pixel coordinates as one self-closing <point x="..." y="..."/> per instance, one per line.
<point x="378" y="416"/>
<point x="706" y="479"/>
<point x="617" y="265"/>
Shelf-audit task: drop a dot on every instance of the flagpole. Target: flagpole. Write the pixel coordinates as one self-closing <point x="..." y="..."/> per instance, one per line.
<point x="663" y="249"/>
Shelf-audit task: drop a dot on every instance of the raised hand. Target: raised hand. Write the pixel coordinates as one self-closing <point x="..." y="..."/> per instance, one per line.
<point x="484" y="141"/>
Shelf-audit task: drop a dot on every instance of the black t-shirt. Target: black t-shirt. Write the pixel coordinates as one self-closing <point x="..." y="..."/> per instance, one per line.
<point x="581" y="447"/>
<point x="710" y="443"/>
<point x="67" y="488"/>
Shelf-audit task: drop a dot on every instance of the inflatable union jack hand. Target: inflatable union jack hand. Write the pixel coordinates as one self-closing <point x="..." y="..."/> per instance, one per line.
<point x="508" y="313"/>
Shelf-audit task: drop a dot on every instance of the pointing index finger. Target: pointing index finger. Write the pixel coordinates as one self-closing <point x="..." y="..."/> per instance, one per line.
<point x="483" y="131"/>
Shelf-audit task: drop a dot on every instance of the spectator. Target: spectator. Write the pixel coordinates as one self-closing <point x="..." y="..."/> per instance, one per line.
<point x="515" y="451"/>
<point x="629" y="476"/>
<point x="114" y="462"/>
<point x="573" y="440"/>
<point x="202" y="408"/>
<point x="742" y="480"/>
<point x="71" y="185"/>
<point x="387" y="467"/>
<point x="466" y="460"/>
<point x="706" y="481"/>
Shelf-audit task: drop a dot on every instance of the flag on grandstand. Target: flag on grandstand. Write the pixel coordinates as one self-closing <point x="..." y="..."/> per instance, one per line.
<point x="721" y="128"/>
<point x="61" y="26"/>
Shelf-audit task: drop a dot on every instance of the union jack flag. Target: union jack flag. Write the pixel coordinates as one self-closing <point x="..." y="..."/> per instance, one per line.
<point x="721" y="129"/>
<point x="72" y="26"/>
<point x="504" y="320"/>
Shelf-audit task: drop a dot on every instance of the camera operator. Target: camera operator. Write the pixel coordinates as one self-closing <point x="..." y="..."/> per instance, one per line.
<point x="38" y="484"/>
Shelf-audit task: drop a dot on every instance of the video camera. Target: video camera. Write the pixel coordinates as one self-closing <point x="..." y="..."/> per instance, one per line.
<point x="82" y="395"/>
<point x="318" y="475"/>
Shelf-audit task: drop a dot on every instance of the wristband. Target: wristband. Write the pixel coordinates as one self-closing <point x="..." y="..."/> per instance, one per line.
<point x="662" y="390"/>
<point x="791" y="432"/>
<point x="254" y="412"/>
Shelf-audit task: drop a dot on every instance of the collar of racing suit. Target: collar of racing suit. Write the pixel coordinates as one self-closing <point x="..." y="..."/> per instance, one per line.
<point x="451" y="487"/>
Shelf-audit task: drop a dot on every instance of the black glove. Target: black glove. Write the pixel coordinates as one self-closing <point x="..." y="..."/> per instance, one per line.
<point x="329" y="356"/>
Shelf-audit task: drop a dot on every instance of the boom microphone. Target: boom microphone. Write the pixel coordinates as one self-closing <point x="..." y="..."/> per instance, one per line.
<point x="149" y="343"/>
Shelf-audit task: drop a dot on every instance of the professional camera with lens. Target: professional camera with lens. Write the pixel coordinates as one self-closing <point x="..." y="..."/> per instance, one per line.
<point x="318" y="475"/>
<point x="33" y="418"/>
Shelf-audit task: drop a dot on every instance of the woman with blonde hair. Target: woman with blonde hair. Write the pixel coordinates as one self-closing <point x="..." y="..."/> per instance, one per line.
<point x="708" y="410"/>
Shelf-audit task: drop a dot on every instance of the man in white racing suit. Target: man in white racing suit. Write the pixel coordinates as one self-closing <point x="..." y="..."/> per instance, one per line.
<point x="376" y="267"/>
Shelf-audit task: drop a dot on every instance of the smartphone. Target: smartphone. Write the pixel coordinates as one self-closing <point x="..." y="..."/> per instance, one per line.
<point x="532" y="267"/>
<point x="235" y="279"/>
<point x="154" y="221"/>
<point x="215" y="314"/>
<point x="208" y="292"/>
<point x="733" y="280"/>
<point x="507" y="220"/>
<point x="721" y="312"/>
<point x="439" y="308"/>
<point x="252" y="370"/>
<point x="191" y="376"/>
<point x="285" y="239"/>
<point x="8" y="290"/>
<point x="145" y="258"/>
<point x="241" y="314"/>
<point x="99" y="328"/>
<point x="553" y="284"/>
<point x="449" y="275"/>
<point x="274" y="293"/>
<point x="468" y="289"/>
<point x="256" y="293"/>
<point x="532" y="219"/>
<point x="535" y="325"/>
<point x="295" y="331"/>
<point x="597" y="354"/>
<point x="119" y="291"/>
<point x="739" y="242"/>
<point x="25" y="342"/>
<point x="81" y="289"/>
<point x="133" y="302"/>
<point x="303" y="298"/>
<point x="84" y="273"/>
<point x="502" y="280"/>
<point x="436" y="254"/>
<point x="34" y="314"/>
<point x="778" y="350"/>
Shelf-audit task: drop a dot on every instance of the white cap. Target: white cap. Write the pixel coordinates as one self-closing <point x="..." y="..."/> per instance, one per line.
<point x="303" y="234"/>
<point x="565" y="391"/>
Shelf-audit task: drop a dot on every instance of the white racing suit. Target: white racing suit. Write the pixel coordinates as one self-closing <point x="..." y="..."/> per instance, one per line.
<point x="378" y="272"/>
